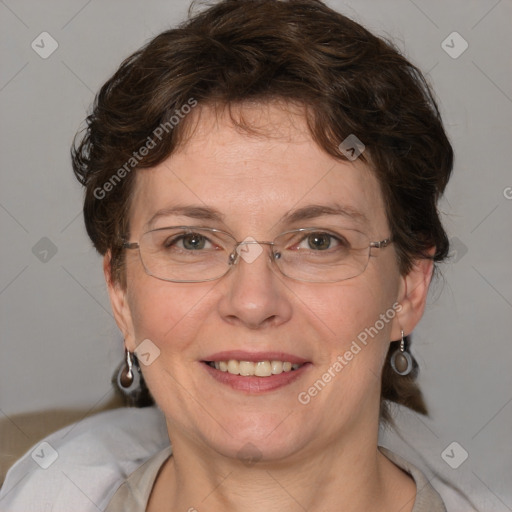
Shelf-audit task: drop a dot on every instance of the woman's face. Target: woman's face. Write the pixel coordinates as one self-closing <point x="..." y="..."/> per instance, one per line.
<point x="247" y="185"/>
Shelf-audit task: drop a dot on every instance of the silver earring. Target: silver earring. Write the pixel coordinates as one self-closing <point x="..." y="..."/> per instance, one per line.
<point x="127" y="377"/>
<point x="401" y="360"/>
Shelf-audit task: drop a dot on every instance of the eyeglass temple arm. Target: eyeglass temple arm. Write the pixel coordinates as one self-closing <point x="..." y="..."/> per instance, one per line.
<point x="130" y="245"/>
<point x="381" y="244"/>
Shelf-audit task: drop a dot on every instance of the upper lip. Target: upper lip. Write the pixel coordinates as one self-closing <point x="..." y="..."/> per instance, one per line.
<point x="242" y="355"/>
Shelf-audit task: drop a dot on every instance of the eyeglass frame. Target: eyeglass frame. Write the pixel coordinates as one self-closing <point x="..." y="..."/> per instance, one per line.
<point x="234" y="254"/>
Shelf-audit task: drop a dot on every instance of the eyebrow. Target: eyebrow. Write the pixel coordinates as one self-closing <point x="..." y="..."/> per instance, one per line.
<point x="318" y="210"/>
<point x="194" y="212"/>
<point x="292" y="217"/>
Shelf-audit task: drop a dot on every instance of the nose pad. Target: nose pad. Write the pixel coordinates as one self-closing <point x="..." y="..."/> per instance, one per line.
<point x="250" y="250"/>
<point x="233" y="258"/>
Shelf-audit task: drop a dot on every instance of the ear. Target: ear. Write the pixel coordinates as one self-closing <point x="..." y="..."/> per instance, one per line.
<point x="119" y="303"/>
<point x="412" y="296"/>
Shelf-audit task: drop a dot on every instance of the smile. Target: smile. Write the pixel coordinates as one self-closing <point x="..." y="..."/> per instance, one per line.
<point x="256" y="368"/>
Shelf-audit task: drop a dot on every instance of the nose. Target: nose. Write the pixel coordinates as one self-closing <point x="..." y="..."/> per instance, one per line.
<point x="255" y="295"/>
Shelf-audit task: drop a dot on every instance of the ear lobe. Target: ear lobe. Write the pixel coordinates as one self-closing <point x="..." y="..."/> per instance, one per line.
<point x="119" y="304"/>
<point x="413" y="296"/>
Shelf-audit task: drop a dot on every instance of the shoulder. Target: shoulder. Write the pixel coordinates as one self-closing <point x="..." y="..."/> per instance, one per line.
<point x="427" y="498"/>
<point x="81" y="466"/>
<point x="133" y="494"/>
<point x="435" y="492"/>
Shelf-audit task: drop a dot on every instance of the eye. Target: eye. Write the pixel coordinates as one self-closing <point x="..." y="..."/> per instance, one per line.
<point x="189" y="242"/>
<point x="320" y="242"/>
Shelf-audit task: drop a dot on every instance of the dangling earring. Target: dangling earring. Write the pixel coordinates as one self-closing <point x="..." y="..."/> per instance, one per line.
<point x="127" y="377"/>
<point x="401" y="360"/>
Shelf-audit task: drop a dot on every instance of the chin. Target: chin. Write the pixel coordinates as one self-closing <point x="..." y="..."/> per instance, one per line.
<point x="258" y="437"/>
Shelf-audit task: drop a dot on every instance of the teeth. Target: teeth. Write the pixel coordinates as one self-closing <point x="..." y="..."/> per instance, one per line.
<point x="277" y="367"/>
<point x="246" y="368"/>
<point x="258" y="369"/>
<point x="233" y="367"/>
<point x="263" y="369"/>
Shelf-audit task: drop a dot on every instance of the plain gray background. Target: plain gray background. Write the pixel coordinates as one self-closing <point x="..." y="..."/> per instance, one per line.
<point x="59" y="342"/>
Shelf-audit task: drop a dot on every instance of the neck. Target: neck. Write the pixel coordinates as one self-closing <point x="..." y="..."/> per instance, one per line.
<point x="353" y="476"/>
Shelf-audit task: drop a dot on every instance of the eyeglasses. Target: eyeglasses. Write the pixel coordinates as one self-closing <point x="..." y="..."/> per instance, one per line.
<point x="187" y="254"/>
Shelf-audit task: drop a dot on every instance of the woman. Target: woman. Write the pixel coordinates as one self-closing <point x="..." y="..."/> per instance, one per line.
<point x="262" y="183"/>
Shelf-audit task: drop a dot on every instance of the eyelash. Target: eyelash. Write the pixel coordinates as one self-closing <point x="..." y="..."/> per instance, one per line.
<point x="173" y="241"/>
<point x="179" y="238"/>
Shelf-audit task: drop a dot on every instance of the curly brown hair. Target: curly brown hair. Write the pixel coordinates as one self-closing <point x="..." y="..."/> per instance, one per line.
<point x="349" y="81"/>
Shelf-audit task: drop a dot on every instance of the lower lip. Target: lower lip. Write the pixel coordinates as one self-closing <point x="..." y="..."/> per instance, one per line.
<point x="256" y="385"/>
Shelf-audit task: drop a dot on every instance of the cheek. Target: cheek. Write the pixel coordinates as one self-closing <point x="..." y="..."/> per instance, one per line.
<point x="169" y="314"/>
<point x="354" y="321"/>
<point x="349" y="309"/>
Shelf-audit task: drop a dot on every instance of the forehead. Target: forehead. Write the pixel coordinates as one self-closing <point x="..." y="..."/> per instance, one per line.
<point x="254" y="179"/>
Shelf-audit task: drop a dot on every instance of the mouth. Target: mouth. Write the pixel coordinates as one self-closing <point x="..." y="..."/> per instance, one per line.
<point x="255" y="373"/>
<point x="265" y="368"/>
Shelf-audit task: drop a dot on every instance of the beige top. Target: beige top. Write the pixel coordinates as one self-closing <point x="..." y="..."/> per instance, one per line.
<point x="133" y="494"/>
